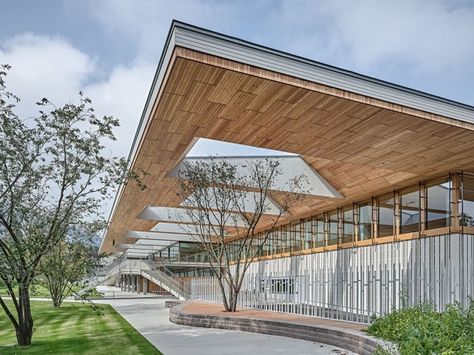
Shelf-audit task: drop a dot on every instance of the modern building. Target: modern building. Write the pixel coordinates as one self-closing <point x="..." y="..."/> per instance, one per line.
<point x="389" y="218"/>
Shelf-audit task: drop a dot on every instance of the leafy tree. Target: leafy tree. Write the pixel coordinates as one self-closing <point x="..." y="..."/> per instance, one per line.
<point x="54" y="174"/>
<point x="68" y="262"/>
<point x="226" y="206"/>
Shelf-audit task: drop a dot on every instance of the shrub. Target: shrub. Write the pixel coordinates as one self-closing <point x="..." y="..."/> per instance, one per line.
<point x="423" y="330"/>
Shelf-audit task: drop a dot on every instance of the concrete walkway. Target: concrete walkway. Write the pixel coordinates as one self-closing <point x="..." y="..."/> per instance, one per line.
<point x="150" y="318"/>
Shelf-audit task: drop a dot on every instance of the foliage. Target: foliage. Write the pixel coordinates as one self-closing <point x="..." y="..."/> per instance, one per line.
<point x="227" y="204"/>
<point x="53" y="175"/>
<point x="422" y="330"/>
<point x="92" y="294"/>
<point x="68" y="262"/>
<point x="76" y="329"/>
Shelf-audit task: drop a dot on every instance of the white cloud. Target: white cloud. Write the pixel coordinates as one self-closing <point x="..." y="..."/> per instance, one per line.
<point x="123" y="95"/>
<point x="44" y="66"/>
<point x="146" y="24"/>
<point x="421" y="36"/>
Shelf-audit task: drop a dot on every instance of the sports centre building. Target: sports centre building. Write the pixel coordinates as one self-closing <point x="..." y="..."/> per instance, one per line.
<point x="389" y="218"/>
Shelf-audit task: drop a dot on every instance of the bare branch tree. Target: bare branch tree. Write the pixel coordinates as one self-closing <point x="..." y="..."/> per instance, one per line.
<point x="226" y="206"/>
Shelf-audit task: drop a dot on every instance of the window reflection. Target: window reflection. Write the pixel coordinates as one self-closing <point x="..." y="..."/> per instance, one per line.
<point x="365" y="220"/>
<point x="332" y="238"/>
<point x="386" y="209"/>
<point x="409" y="210"/>
<point x="466" y="217"/>
<point x="437" y="204"/>
<point x="308" y="234"/>
<point x="348" y="225"/>
<point x="319" y="228"/>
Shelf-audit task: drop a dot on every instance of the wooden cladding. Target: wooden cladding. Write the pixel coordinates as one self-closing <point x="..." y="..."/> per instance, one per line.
<point x="360" y="148"/>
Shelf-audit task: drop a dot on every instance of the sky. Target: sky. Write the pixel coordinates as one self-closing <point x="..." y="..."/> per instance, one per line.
<point x="110" y="49"/>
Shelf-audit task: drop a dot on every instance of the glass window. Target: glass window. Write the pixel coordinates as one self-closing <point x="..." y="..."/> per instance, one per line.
<point x="466" y="217"/>
<point x="365" y="220"/>
<point x="308" y="234"/>
<point x="295" y="237"/>
<point x="409" y="210"/>
<point x="332" y="238"/>
<point x="285" y="239"/>
<point x="437" y="204"/>
<point x="348" y="225"/>
<point x="318" y="226"/>
<point x="386" y="209"/>
<point x="278" y="240"/>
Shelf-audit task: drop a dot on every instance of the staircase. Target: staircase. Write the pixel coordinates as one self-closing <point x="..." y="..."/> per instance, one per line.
<point x="106" y="273"/>
<point x="165" y="278"/>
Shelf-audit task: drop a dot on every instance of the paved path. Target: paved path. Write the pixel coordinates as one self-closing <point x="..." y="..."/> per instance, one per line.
<point x="150" y="317"/>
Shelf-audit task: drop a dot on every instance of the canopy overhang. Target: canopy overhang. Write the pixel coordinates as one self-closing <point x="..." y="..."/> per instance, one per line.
<point x="361" y="135"/>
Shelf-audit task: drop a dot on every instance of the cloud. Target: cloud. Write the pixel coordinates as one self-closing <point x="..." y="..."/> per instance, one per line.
<point x="49" y="66"/>
<point x="146" y="25"/>
<point x="123" y="95"/>
<point x="44" y="66"/>
<point x="424" y="44"/>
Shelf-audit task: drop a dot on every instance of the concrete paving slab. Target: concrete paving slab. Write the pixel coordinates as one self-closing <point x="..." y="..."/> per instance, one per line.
<point x="150" y="318"/>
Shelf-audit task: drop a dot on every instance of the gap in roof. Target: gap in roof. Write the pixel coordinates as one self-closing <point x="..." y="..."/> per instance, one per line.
<point x="211" y="147"/>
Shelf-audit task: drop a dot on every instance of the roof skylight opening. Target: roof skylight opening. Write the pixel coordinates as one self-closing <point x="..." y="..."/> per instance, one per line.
<point x="210" y="147"/>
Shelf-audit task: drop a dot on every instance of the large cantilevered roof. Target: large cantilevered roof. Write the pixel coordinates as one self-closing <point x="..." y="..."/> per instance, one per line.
<point x="361" y="135"/>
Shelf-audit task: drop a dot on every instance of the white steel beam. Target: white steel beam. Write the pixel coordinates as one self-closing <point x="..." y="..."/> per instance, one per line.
<point x="249" y="202"/>
<point x="179" y="215"/>
<point x="291" y="167"/>
<point x="161" y="236"/>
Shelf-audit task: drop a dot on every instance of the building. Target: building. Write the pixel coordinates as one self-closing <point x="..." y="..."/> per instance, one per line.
<point x="390" y="220"/>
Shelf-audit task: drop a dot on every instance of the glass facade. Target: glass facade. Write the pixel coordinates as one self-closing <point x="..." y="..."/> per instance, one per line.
<point x="415" y="209"/>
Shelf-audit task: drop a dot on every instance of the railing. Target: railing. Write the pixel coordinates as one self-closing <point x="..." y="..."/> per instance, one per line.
<point x="167" y="277"/>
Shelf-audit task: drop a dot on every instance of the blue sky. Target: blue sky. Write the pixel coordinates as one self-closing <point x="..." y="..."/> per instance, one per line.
<point x="110" y="49"/>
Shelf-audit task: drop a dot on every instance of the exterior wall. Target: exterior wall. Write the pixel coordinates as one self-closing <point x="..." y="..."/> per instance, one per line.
<point x="154" y="288"/>
<point x="355" y="283"/>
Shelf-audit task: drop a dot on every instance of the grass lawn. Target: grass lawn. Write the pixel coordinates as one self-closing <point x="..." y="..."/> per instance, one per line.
<point x="76" y="329"/>
<point x="35" y="291"/>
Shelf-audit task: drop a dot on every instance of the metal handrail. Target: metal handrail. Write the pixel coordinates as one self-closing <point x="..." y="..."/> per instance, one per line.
<point x="168" y="277"/>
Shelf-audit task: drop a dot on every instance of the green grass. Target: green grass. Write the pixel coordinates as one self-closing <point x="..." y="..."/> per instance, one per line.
<point x="423" y="330"/>
<point x="76" y="329"/>
<point x="35" y="291"/>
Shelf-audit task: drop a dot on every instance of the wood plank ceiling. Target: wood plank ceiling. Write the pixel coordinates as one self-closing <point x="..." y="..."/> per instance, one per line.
<point x="360" y="145"/>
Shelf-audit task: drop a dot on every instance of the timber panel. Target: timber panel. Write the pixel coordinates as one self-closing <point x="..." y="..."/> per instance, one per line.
<point x="361" y="146"/>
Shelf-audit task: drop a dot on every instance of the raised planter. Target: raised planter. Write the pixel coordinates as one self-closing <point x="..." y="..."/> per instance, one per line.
<point x="352" y="340"/>
<point x="172" y="303"/>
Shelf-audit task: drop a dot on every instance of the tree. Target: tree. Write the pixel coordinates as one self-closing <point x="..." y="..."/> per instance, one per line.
<point x="226" y="206"/>
<point x="69" y="261"/>
<point x="53" y="175"/>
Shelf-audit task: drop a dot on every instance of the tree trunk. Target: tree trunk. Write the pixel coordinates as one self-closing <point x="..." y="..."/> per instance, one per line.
<point x="24" y="331"/>
<point x="233" y="301"/>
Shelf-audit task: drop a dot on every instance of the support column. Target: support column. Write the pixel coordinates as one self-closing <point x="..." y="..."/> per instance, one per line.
<point x="129" y="283"/>
<point x="138" y="284"/>
<point x="145" y="285"/>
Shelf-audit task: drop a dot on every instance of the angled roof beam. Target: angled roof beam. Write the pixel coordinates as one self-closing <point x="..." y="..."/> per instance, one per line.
<point x="249" y="202"/>
<point x="292" y="167"/>
<point x="175" y="228"/>
<point x="179" y="215"/>
<point x="161" y="236"/>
